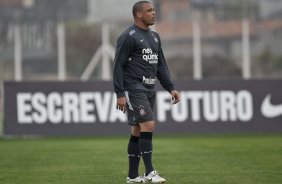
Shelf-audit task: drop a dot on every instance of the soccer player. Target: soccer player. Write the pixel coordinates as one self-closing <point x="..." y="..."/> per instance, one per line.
<point x="139" y="61"/>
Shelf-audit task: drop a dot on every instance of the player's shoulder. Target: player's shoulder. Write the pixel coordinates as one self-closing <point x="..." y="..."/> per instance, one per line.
<point x="155" y="33"/>
<point x="127" y="34"/>
<point x="124" y="35"/>
<point x="130" y="31"/>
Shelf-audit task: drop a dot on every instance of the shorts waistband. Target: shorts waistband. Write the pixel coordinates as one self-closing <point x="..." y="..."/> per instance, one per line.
<point x="139" y="87"/>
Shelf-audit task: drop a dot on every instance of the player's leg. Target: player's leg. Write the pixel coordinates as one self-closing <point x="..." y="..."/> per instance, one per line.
<point x="146" y="144"/>
<point x="133" y="148"/>
<point x="134" y="155"/>
<point x="146" y="147"/>
<point x="140" y="105"/>
<point x="140" y="111"/>
<point x="146" y="135"/>
<point x="133" y="151"/>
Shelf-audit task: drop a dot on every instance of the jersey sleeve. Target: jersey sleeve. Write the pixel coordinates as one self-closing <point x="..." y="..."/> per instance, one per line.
<point x="163" y="72"/>
<point x="121" y="57"/>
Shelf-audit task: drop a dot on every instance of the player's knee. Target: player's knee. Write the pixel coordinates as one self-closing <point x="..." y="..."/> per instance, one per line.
<point x="148" y="126"/>
<point x="135" y="130"/>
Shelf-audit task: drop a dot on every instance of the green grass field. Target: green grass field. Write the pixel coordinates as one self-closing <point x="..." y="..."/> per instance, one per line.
<point x="194" y="159"/>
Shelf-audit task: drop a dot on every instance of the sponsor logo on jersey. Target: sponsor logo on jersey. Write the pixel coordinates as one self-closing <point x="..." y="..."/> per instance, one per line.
<point x="131" y="32"/>
<point x="149" y="56"/>
<point x="148" y="80"/>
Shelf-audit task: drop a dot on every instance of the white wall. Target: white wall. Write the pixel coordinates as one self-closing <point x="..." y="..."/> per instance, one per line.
<point x="268" y="7"/>
<point x="110" y="10"/>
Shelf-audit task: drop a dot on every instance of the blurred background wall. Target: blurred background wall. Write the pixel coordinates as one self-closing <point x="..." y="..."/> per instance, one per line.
<point x="202" y="39"/>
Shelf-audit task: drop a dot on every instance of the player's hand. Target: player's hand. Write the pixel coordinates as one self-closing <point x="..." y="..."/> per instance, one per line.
<point x="175" y="97"/>
<point x="121" y="102"/>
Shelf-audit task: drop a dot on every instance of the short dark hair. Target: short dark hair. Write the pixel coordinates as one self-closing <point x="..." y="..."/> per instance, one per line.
<point x="137" y="7"/>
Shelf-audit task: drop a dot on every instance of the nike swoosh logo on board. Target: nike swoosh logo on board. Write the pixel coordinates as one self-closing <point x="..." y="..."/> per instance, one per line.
<point x="269" y="110"/>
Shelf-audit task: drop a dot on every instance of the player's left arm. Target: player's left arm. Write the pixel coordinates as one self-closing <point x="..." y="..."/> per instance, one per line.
<point x="165" y="79"/>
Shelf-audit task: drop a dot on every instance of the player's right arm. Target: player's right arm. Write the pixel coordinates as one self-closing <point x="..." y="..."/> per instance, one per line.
<point x="123" y="49"/>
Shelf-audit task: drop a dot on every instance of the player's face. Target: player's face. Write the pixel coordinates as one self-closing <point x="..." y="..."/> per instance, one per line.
<point x="148" y="14"/>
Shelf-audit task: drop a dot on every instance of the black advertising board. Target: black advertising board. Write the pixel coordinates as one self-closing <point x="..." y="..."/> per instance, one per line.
<point x="88" y="108"/>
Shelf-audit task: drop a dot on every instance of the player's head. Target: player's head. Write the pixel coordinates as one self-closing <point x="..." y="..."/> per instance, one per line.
<point x="144" y="12"/>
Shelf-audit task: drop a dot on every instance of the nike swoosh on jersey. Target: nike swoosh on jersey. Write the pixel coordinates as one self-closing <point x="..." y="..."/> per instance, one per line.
<point x="141" y="40"/>
<point x="269" y="110"/>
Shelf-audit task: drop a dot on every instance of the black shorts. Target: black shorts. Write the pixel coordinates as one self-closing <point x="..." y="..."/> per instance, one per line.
<point x="140" y="105"/>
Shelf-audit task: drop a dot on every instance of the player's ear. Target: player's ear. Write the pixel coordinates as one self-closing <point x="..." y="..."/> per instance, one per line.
<point x="139" y="14"/>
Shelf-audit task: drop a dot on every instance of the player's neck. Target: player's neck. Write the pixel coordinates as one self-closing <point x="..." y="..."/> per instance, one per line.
<point x="141" y="25"/>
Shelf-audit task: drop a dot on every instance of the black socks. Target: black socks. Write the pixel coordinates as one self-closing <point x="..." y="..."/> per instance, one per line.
<point x="137" y="147"/>
<point x="133" y="151"/>
<point x="146" y="148"/>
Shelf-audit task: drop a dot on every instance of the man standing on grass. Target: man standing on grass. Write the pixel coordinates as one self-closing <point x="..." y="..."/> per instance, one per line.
<point x="139" y="60"/>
